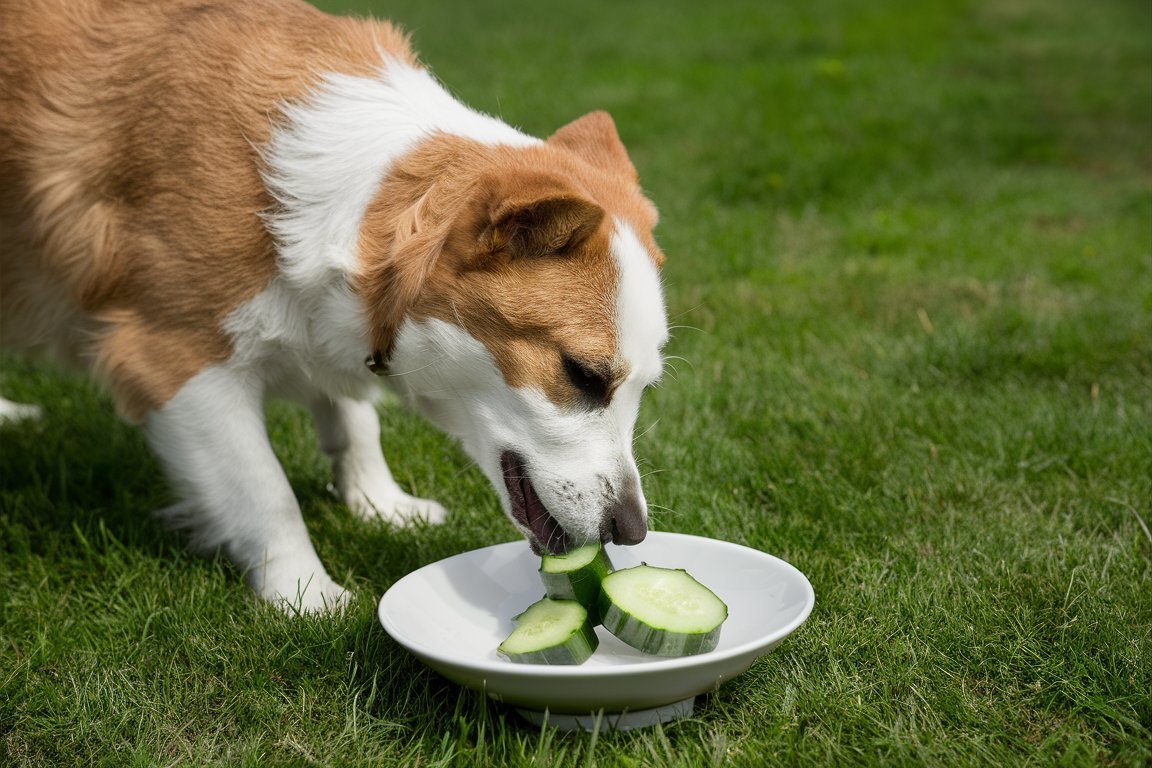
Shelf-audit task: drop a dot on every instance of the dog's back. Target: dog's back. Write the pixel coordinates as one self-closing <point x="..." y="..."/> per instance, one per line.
<point x="126" y="219"/>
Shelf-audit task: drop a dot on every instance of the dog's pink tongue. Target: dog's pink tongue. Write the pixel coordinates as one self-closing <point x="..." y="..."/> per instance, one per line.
<point x="543" y="525"/>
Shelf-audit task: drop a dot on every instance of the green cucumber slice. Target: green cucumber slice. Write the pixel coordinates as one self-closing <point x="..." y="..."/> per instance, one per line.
<point x="551" y="632"/>
<point x="661" y="611"/>
<point x="576" y="575"/>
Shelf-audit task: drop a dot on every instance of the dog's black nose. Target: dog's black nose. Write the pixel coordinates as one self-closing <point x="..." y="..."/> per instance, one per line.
<point x="626" y="520"/>
<point x="629" y="529"/>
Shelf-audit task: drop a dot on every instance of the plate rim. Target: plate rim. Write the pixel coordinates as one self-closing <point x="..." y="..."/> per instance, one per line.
<point x="654" y="666"/>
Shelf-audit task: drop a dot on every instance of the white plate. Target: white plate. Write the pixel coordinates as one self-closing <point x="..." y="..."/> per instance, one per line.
<point x="453" y="613"/>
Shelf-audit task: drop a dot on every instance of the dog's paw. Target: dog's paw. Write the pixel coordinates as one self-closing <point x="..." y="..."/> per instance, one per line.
<point x="410" y="510"/>
<point x="10" y="411"/>
<point x="395" y="507"/>
<point x="317" y="593"/>
<point x="297" y="583"/>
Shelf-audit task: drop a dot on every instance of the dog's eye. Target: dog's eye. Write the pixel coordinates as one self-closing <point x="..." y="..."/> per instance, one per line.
<point x="587" y="380"/>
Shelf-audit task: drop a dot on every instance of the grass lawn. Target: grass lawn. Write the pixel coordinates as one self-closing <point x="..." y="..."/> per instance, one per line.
<point x="910" y="266"/>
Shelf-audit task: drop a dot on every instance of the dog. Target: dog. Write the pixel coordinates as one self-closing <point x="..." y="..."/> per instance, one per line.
<point x="210" y="202"/>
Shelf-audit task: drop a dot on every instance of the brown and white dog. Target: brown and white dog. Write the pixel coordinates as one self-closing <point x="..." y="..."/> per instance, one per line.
<point x="211" y="202"/>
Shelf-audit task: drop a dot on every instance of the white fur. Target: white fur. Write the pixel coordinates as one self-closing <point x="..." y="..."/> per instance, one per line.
<point x="641" y="320"/>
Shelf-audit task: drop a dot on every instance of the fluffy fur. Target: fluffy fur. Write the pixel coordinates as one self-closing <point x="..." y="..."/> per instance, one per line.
<point x="208" y="203"/>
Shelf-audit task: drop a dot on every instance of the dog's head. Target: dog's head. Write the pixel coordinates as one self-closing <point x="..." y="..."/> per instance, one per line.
<point x="521" y="310"/>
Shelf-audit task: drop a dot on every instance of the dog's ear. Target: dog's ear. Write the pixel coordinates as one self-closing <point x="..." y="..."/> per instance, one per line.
<point x="547" y="226"/>
<point x="594" y="139"/>
<point x="531" y="216"/>
<point x="513" y="215"/>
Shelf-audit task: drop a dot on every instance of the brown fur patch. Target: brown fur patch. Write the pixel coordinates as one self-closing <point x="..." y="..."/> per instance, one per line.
<point x="129" y="184"/>
<point x="436" y="243"/>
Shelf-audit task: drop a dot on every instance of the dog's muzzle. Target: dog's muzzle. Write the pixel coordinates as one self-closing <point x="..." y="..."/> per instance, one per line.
<point x="623" y="521"/>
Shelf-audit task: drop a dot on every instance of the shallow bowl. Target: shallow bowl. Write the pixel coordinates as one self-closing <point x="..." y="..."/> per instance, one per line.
<point x="453" y="613"/>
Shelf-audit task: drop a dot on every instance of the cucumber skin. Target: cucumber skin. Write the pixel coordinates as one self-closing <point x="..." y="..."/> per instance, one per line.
<point x="581" y="585"/>
<point x="649" y="639"/>
<point x="575" y="650"/>
<point x="658" y="642"/>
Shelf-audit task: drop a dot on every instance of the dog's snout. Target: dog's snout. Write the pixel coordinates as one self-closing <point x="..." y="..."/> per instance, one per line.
<point x="626" y="519"/>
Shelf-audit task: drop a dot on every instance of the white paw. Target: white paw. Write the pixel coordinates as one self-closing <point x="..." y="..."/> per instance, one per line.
<point x="10" y="411"/>
<point x="396" y="507"/>
<point x="295" y="594"/>
<point x="410" y="510"/>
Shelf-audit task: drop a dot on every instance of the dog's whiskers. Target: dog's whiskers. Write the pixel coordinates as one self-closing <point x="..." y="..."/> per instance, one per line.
<point x="647" y="429"/>
<point x="429" y="364"/>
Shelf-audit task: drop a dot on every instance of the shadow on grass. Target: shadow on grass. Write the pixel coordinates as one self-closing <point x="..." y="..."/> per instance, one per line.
<point x="391" y="685"/>
<point x="77" y="466"/>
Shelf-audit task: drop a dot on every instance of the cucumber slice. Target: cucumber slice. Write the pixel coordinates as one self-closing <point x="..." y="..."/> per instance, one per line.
<point x="662" y="611"/>
<point x="576" y="575"/>
<point x="551" y="632"/>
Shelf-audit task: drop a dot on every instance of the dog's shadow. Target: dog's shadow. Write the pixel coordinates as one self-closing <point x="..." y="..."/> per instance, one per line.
<point x="398" y="691"/>
<point x="76" y="466"/>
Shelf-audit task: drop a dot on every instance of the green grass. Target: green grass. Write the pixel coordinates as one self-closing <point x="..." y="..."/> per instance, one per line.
<point x="910" y="266"/>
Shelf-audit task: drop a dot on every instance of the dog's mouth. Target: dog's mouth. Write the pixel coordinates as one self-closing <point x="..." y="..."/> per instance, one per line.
<point x="547" y="533"/>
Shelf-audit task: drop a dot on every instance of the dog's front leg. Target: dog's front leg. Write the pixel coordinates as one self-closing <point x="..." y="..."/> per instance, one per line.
<point x="212" y="440"/>
<point x="349" y="432"/>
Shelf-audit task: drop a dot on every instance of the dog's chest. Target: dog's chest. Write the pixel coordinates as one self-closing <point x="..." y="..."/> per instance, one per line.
<point x="301" y="342"/>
